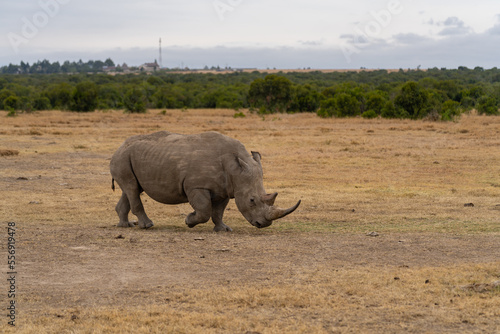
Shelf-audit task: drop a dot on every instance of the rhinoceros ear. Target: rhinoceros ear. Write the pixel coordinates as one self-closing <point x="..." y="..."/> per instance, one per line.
<point x="238" y="166"/>
<point x="256" y="156"/>
<point x="245" y="167"/>
<point x="234" y="165"/>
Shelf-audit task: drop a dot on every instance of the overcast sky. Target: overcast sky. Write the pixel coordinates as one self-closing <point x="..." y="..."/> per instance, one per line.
<point x="255" y="33"/>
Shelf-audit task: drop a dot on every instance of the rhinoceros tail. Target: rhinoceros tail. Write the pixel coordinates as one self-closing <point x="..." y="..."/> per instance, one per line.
<point x="113" y="184"/>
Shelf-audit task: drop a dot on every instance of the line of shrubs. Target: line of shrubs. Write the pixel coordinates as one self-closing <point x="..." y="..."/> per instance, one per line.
<point x="438" y="94"/>
<point x="438" y="100"/>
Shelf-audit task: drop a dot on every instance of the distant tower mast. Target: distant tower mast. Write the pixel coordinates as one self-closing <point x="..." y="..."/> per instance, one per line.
<point x="160" y="55"/>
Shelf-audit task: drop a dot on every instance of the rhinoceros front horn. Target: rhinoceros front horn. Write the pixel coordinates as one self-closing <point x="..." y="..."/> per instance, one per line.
<point x="277" y="213"/>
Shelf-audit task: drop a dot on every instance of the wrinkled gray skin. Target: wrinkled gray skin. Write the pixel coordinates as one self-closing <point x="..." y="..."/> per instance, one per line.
<point x="205" y="170"/>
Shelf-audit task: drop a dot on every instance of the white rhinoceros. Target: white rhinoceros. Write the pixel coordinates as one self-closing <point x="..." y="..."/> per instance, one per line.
<point x="204" y="169"/>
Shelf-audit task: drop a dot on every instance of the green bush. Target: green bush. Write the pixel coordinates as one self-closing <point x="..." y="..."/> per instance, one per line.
<point x="84" y="97"/>
<point x="450" y="110"/>
<point x="376" y="101"/>
<point x="271" y="94"/>
<point x="306" y="99"/>
<point x="369" y="114"/>
<point x="467" y="103"/>
<point x="347" y="105"/>
<point x="110" y="97"/>
<point x="4" y="94"/>
<point x="155" y="80"/>
<point x="390" y="111"/>
<point x="412" y="99"/>
<point x="135" y="100"/>
<point x="487" y="105"/>
<point x="60" y="95"/>
<point x="171" y="97"/>
<point x="41" y="103"/>
<point x="327" y="108"/>
<point x="11" y="103"/>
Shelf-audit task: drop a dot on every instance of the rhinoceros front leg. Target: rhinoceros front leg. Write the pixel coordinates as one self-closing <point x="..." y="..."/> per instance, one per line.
<point x="122" y="209"/>
<point x="202" y="205"/>
<point x="217" y="213"/>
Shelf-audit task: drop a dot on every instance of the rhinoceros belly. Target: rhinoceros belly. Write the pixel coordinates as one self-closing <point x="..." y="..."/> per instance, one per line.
<point x="161" y="176"/>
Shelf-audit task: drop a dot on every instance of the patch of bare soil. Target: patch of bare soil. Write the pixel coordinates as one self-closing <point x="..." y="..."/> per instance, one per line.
<point x="68" y="265"/>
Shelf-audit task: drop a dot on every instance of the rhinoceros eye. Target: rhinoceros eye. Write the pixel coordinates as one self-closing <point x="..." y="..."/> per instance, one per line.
<point x="252" y="201"/>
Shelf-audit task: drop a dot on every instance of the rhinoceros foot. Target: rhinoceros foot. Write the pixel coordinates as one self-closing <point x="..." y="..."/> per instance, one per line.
<point x="125" y="224"/>
<point x="146" y="224"/>
<point x="195" y="218"/>
<point x="222" y="228"/>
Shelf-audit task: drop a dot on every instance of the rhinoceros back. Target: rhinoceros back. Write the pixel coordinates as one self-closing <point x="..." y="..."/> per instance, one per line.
<point x="167" y="165"/>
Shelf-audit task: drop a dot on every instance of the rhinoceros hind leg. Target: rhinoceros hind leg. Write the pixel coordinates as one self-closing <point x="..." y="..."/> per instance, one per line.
<point x="202" y="205"/>
<point x="217" y="213"/>
<point x="123" y="208"/>
<point x="135" y="204"/>
<point x="131" y="198"/>
<point x="138" y="210"/>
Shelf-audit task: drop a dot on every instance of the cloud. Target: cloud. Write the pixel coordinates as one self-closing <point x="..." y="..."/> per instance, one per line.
<point x="453" y="26"/>
<point x="410" y="39"/>
<point x="354" y="39"/>
<point x="361" y="40"/>
<point x="454" y="31"/>
<point x="453" y="21"/>
<point x="443" y="49"/>
<point x="403" y="51"/>
<point x="311" y="43"/>
<point x="495" y="30"/>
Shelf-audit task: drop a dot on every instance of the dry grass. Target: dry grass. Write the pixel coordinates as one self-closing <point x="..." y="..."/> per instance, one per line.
<point x="7" y="153"/>
<point x="315" y="271"/>
<point x="324" y="301"/>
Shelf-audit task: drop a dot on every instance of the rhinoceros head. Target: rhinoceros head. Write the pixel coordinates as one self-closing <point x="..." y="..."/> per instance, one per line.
<point x="251" y="199"/>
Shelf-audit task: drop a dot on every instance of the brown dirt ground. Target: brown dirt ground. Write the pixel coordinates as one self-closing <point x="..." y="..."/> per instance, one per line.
<point x="97" y="268"/>
<point x="408" y="181"/>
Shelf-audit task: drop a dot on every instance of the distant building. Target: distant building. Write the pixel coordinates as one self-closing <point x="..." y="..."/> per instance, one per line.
<point x="109" y="69"/>
<point x="118" y="68"/>
<point x="149" y="67"/>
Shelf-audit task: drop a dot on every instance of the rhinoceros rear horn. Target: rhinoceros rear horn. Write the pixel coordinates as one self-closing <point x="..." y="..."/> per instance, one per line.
<point x="269" y="198"/>
<point x="277" y="213"/>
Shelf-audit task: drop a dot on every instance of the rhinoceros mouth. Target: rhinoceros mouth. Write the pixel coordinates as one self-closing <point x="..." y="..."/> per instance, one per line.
<point x="261" y="224"/>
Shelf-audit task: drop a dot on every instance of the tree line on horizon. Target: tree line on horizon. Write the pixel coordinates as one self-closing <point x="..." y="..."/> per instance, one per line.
<point x="441" y="94"/>
<point x="67" y="67"/>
